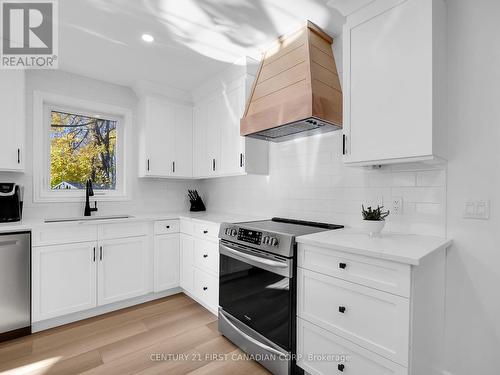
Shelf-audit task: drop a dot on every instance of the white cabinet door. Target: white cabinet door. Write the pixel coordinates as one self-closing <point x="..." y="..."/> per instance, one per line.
<point x="215" y="117"/>
<point x="159" y="128"/>
<point x="166" y="261"/>
<point x="232" y="144"/>
<point x="64" y="279"/>
<point x="12" y="123"/>
<point x="122" y="269"/>
<point x="202" y="162"/>
<point x="389" y="82"/>
<point x="321" y="352"/>
<point x="187" y="260"/>
<point x="183" y="161"/>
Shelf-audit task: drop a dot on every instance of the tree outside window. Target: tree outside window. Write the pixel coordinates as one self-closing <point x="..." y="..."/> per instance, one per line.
<point x="82" y="147"/>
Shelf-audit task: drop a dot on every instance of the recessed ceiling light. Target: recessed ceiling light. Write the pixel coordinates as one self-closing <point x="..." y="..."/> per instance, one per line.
<point x="148" y="38"/>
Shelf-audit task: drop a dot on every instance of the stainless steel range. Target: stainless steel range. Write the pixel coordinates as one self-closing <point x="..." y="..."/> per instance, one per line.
<point x="257" y="288"/>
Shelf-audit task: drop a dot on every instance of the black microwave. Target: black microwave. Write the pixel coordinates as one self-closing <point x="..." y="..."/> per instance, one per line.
<point x="11" y="202"/>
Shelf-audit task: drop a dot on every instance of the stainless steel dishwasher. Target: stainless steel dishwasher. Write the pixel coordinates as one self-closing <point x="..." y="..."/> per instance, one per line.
<point x="15" y="290"/>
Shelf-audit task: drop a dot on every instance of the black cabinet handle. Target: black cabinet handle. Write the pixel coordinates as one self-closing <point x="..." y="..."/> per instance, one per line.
<point x="18" y="156"/>
<point x="241" y="160"/>
<point x="213" y="165"/>
<point x="173" y="167"/>
<point x="205" y="255"/>
<point x="205" y="288"/>
<point x="205" y="231"/>
<point x="343" y="144"/>
<point x="168" y="226"/>
<point x="342" y="265"/>
<point x="148" y="165"/>
<point x="340" y="367"/>
<point x="342" y="309"/>
<point x="100" y="252"/>
<point x="94" y="253"/>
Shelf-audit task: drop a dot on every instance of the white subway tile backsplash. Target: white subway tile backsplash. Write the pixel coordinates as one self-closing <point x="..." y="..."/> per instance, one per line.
<point x="308" y="181"/>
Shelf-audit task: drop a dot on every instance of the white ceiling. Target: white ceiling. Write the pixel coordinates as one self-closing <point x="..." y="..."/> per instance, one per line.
<point x="193" y="38"/>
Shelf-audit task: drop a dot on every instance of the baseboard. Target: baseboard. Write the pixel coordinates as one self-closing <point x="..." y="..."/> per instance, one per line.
<point x="61" y="320"/>
<point x="444" y="372"/>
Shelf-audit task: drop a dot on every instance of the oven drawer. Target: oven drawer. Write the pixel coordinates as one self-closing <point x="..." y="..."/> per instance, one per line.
<point x="206" y="288"/>
<point x="206" y="255"/>
<point x="205" y="229"/>
<point x="352" y="359"/>
<point x="376" y="320"/>
<point x="166" y="226"/>
<point x="379" y="274"/>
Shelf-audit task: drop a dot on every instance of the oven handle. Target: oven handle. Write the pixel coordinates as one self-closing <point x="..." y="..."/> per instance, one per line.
<point x="254" y="258"/>
<point x="250" y="338"/>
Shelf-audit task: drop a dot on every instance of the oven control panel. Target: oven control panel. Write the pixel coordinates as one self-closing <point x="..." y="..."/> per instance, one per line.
<point x="250" y="236"/>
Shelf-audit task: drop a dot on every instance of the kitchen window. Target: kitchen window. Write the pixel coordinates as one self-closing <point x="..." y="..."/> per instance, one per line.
<point x="79" y="140"/>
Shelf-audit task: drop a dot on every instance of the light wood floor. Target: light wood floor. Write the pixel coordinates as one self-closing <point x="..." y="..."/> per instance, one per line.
<point x="124" y="342"/>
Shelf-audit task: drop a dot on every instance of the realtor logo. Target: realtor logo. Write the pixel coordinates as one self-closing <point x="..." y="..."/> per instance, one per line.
<point x="29" y="34"/>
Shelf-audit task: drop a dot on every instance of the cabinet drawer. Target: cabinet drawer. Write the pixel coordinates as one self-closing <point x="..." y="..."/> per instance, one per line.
<point x="61" y="233"/>
<point x="376" y="273"/>
<point x="206" y="255"/>
<point x="376" y="320"/>
<point x="321" y="352"/>
<point x="186" y="226"/>
<point x="122" y="230"/>
<point x="206" y="230"/>
<point x="206" y="288"/>
<point x="167" y="226"/>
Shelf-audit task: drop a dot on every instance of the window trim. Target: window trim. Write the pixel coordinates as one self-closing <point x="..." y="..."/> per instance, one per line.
<point x="42" y="103"/>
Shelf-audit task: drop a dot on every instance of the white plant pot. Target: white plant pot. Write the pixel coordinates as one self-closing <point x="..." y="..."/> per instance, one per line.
<point x="372" y="227"/>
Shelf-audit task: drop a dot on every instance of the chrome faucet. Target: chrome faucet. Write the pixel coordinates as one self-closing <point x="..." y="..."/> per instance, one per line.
<point x="89" y="192"/>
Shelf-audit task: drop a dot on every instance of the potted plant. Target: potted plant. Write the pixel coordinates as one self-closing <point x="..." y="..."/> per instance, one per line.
<point x="374" y="219"/>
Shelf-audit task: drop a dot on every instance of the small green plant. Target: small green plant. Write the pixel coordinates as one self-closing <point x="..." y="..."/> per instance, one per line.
<point x="374" y="214"/>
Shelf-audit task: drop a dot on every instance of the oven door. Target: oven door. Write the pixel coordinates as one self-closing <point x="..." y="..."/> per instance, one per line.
<point x="255" y="288"/>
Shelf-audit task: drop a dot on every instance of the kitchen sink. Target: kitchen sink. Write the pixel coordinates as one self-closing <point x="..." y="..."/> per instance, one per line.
<point x="88" y="218"/>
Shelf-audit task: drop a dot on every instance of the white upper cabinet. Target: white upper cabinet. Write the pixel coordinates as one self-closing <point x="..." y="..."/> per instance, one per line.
<point x="219" y="150"/>
<point x="12" y="123"/>
<point x="166" y="138"/>
<point x="395" y="82"/>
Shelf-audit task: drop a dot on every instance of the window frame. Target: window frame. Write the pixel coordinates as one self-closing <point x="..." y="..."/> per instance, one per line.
<point x="43" y="104"/>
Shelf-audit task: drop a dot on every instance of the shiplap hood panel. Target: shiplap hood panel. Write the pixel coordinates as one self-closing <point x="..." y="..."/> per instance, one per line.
<point x="297" y="91"/>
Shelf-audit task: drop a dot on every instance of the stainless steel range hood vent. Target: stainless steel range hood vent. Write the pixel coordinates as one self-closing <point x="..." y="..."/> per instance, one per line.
<point x="297" y="91"/>
<point x="294" y="130"/>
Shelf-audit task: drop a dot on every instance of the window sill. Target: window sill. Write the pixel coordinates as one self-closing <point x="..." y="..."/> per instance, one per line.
<point x="56" y="198"/>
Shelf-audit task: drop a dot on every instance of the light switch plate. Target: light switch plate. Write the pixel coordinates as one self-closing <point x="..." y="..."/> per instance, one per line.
<point x="479" y="210"/>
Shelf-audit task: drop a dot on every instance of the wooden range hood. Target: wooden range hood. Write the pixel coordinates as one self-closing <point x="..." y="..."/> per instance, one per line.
<point x="297" y="90"/>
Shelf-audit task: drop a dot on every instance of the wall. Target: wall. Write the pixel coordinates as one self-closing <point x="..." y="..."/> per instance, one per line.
<point x="473" y="302"/>
<point x="308" y="180"/>
<point x="147" y="195"/>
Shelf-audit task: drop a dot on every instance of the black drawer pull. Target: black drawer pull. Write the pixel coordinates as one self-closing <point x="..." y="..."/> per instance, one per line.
<point x="342" y="309"/>
<point x="342" y="265"/>
<point x="205" y="255"/>
<point x="340" y="367"/>
<point x="205" y="231"/>
<point x="167" y="226"/>
<point x="205" y="288"/>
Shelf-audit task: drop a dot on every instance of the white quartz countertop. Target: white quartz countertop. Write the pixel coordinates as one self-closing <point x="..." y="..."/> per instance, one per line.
<point x="397" y="247"/>
<point x="213" y="217"/>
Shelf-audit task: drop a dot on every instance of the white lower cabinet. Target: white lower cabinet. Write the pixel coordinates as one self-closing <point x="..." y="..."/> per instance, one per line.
<point x="322" y="352"/>
<point x="206" y="288"/>
<point x="166" y="262"/>
<point x="371" y="322"/>
<point x="187" y="259"/>
<point x="200" y="262"/>
<point x="122" y="270"/>
<point x="64" y="279"/>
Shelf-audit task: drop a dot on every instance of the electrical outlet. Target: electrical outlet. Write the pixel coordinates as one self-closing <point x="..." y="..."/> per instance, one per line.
<point x="397" y="205"/>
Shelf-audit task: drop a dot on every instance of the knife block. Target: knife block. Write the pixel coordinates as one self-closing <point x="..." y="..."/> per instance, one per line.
<point x="197" y="205"/>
